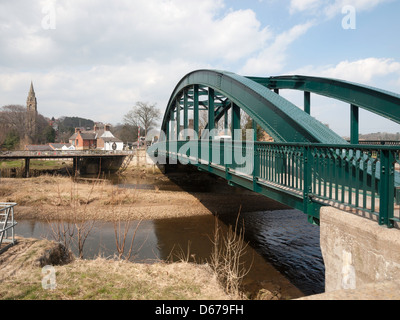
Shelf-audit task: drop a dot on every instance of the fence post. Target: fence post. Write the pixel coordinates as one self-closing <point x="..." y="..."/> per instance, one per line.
<point x="386" y="189"/>
<point x="256" y="167"/>
<point x="309" y="207"/>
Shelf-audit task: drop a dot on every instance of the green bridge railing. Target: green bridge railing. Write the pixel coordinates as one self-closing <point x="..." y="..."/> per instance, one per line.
<point x="358" y="178"/>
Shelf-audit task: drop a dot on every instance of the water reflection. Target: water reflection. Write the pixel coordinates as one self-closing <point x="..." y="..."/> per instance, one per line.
<point x="289" y="242"/>
<point x="283" y="238"/>
<point x="101" y="240"/>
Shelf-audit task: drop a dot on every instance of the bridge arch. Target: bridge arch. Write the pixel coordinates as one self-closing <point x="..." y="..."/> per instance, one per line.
<point x="281" y="119"/>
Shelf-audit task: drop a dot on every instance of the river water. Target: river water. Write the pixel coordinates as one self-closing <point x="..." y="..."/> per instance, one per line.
<point x="281" y="240"/>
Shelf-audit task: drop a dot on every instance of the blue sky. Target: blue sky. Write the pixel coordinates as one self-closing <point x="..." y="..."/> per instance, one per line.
<point x="95" y="59"/>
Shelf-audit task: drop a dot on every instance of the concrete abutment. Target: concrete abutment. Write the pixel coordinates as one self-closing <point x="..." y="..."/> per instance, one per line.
<point x="362" y="259"/>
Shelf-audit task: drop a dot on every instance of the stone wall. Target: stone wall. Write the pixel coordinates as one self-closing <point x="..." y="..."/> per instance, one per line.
<point x="357" y="251"/>
<point x="141" y="158"/>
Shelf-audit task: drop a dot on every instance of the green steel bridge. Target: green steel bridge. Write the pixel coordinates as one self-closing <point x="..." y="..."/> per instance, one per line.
<point x="307" y="165"/>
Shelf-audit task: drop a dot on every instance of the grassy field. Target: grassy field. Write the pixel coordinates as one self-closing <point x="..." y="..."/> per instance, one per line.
<point x="34" y="164"/>
<point x="23" y="278"/>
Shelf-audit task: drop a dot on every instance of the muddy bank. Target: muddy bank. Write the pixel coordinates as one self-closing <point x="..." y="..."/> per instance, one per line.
<point x="61" y="198"/>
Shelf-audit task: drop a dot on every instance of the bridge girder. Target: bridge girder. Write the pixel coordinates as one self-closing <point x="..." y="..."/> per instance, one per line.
<point x="381" y="102"/>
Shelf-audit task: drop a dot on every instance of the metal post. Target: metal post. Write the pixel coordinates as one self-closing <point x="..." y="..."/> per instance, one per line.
<point x="256" y="167"/>
<point x="178" y="119"/>
<point x="307" y="102"/>
<point x="172" y="125"/>
<point x="167" y="136"/>
<point x="354" y="124"/>
<point x="235" y="123"/>
<point x="211" y="111"/>
<point x="172" y="136"/>
<point x="254" y="130"/>
<point x="196" y="109"/>
<point x="307" y="180"/>
<point x="185" y="112"/>
<point x="226" y="122"/>
<point x="386" y="189"/>
<point x="235" y="114"/>
<point x="211" y="121"/>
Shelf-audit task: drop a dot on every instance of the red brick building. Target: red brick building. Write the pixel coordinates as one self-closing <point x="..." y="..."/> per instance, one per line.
<point x="83" y="140"/>
<point x="100" y="138"/>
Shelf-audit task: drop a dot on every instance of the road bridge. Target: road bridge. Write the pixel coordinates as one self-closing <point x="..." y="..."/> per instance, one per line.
<point x="99" y="160"/>
<point x="307" y="166"/>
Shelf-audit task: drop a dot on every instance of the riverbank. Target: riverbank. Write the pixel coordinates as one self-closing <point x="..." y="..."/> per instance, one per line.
<point x="61" y="198"/>
<point x="50" y="198"/>
<point x="23" y="278"/>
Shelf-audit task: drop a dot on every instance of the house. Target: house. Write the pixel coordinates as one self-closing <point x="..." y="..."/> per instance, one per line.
<point x="99" y="138"/>
<point x="83" y="140"/>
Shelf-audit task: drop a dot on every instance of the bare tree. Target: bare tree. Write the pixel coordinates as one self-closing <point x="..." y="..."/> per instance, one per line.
<point x="14" y="117"/>
<point x="144" y="114"/>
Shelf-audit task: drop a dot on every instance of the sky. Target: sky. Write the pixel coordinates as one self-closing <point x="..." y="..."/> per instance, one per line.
<point x="96" y="59"/>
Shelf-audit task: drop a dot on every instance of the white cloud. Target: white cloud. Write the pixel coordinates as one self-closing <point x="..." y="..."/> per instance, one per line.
<point x="272" y="59"/>
<point x="303" y="5"/>
<point x="331" y="8"/>
<point x="366" y="71"/>
<point x="360" y="5"/>
<point x="107" y="32"/>
<point x="104" y="56"/>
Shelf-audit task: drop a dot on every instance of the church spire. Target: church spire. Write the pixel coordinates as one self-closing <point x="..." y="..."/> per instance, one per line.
<point x="31" y="89"/>
<point x="31" y="102"/>
<point x="31" y="106"/>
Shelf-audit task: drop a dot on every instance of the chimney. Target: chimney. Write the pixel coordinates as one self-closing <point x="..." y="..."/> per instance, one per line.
<point x="95" y="128"/>
<point x="107" y="127"/>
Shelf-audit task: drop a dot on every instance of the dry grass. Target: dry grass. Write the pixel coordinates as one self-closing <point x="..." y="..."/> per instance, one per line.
<point x="227" y="257"/>
<point x="52" y="198"/>
<point x="103" y="279"/>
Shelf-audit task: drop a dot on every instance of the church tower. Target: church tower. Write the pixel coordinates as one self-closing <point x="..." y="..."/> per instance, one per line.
<point x="31" y="105"/>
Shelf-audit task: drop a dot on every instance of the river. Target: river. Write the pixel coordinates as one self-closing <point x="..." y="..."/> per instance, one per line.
<point x="281" y="238"/>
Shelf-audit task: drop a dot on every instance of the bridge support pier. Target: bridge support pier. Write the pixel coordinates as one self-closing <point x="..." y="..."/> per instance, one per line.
<point x="76" y="166"/>
<point x="26" y="169"/>
<point x="357" y="251"/>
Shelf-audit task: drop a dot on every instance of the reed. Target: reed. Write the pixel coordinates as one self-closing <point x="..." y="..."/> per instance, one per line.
<point x="226" y="257"/>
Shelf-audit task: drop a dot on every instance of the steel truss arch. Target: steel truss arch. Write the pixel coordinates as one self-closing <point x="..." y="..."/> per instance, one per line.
<point x="281" y="119"/>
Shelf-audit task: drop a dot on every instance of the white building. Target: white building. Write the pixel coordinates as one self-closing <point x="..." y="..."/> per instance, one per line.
<point x="110" y="142"/>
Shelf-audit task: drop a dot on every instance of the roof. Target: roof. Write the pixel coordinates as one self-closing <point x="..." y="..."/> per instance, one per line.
<point x="45" y="147"/>
<point x="86" y="135"/>
<point x="73" y="137"/>
<point x="58" y="145"/>
<point x="110" y="139"/>
<point x="104" y="135"/>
